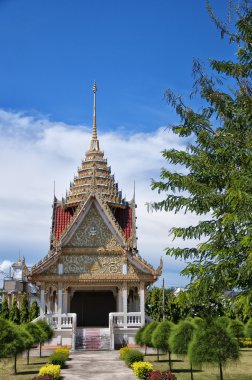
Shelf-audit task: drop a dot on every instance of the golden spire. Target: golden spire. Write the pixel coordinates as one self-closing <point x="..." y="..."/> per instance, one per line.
<point x="94" y="144"/>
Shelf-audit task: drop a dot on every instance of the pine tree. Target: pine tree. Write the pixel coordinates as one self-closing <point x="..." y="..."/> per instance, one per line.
<point x="24" y="310"/>
<point x="49" y="333"/>
<point x="180" y="338"/>
<point x="5" y="312"/>
<point x="160" y="338"/>
<point x="34" y="310"/>
<point x="14" y="312"/>
<point x="213" y="344"/>
<point x="213" y="178"/>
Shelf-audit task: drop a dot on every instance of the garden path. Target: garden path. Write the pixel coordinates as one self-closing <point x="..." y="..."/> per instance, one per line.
<point x="96" y="365"/>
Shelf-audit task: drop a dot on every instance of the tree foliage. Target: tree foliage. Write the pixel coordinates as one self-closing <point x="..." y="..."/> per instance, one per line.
<point x="248" y="329"/>
<point x="5" y="312"/>
<point x="34" y="310"/>
<point x="139" y="334"/>
<point x="24" y="309"/>
<point x="48" y="333"/>
<point x="14" y="312"/>
<point x="213" y="177"/>
<point x="213" y="344"/>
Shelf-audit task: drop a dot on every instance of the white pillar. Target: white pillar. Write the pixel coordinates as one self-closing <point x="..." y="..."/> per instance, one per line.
<point x="59" y="299"/>
<point x="125" y="303"/>
<point x="42" y="301"/>
<point x="142" y="303"/>
<point x="65" y="302"/>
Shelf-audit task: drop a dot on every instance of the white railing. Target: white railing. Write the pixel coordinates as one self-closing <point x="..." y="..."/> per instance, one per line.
<point x="132" y="319"/>
<point x="62" y="322"/>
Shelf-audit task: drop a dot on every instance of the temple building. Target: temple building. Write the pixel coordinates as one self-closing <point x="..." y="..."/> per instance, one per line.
<point x="93" y="280"/>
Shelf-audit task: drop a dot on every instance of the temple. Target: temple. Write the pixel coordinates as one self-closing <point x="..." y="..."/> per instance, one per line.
<point x="93" y="280"/>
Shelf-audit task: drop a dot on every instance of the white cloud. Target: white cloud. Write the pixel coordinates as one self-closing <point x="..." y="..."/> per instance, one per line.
<point x="5" y="266"/>
<point x="35" y="151"/>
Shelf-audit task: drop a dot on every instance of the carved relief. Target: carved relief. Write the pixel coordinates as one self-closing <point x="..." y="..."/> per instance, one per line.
<point x="133" y="270"/>
<point x="93" y="232"/>
<point x="53" y="269"/>
<point x="92" y="264"/>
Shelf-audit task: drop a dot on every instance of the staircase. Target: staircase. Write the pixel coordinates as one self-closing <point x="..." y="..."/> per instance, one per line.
<point x="92" y="339"/>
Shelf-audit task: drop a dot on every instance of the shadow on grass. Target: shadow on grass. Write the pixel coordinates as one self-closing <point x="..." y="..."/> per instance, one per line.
<point x="27" y="372"/>
<point x="167" y="361"/>
<point x="182" y="370"/>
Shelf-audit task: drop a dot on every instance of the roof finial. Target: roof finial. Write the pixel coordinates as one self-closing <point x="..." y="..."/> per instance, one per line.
<point x="94" y="145"/>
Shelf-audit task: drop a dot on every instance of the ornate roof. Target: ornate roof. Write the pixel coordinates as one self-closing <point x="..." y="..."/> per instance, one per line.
<point x="94" y="211"/>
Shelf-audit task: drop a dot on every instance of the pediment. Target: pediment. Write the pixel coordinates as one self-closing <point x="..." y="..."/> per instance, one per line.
<point x="92" y="229"/>
<point x="93" y="264"/>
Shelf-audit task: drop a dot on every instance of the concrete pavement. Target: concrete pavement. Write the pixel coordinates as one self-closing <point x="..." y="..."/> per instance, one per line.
<point x="96" y="365"/>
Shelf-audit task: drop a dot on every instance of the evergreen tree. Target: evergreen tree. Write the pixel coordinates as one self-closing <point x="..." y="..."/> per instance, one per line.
<point x="24" y="310"/>
<point x="37" y="334"/>
<point x="213" y="176"/>
<point x="138" y="337"/>
<point x="213" y="344"/>
<point x="236" y="328"/>
<point x="14" y="312"/>
<point x="147" y="334"/>
<point x="34" y="310"/>
<point x="160" y="338"/>
<point x="49" y="333"/>
<point x="13" y="340"/>
<point x="5" y="312"/>
<point x="180" y="338"/>
<point x="248" y="329"/>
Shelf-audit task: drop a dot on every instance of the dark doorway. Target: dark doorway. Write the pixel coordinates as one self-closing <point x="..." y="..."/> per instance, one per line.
<point x="93" y="308"/>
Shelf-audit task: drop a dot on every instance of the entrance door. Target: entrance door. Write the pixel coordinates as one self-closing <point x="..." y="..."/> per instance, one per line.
<point x="93" y="308"/>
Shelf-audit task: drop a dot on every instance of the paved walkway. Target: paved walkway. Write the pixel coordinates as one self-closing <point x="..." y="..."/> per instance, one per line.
<point x="96" y="365"/>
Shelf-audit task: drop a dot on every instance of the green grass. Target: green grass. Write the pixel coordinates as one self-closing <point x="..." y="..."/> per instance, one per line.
<point x="25" y="372"/>
<point x="241" y="370"/>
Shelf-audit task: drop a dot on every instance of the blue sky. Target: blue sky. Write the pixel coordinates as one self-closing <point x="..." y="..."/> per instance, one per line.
<point x="51" y="52"/>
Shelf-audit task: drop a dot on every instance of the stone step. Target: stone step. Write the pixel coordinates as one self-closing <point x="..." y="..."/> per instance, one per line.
<point x="92" y="339"/>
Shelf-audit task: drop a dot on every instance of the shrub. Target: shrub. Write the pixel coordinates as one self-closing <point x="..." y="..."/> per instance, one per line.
<point x="63" y="351"/>
<point x="51" y="370"/>
<point x="142" y="369"/>
<point x="157" y="375"/>
<point x="245" y="343"/>
<point x="133" y="356"/>
<point x="147" y="334"/>
<point x="123" y="352"/>
<point x="57" y="358"/>
<point x="46" y="377"/>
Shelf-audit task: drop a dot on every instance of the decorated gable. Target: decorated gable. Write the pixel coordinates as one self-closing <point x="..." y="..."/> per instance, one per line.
<point x="92" y="232"/>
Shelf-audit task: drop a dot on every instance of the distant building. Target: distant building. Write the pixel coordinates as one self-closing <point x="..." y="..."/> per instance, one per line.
<point x="17" y="283"/>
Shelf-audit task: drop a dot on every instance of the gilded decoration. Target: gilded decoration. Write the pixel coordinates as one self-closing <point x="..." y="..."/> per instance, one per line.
<point x="92" y="264"/>
<point x="53" y="269"/>
<point x="93" y="232"/>
<point x="133" y="270"/>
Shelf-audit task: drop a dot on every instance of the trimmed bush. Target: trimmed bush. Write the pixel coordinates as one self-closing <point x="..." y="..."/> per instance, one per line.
<point x="142" y="369"/>
<point x="123" y="352"/>
<point x="147" y="334"/>
<point x="160" y="336"/>
<point x="133" y="356"/>
<point x="64" y="352"/>
<point x="245" y="343"/>
<point x="58" y="358"/>
<point x="51" y="370"/>
<point x="157" y="375"/>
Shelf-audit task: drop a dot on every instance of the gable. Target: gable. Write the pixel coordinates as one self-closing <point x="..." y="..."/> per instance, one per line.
<point x="92" y="232"/>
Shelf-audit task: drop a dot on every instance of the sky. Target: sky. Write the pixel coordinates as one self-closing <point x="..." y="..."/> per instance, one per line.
<point x="51" y="52"/>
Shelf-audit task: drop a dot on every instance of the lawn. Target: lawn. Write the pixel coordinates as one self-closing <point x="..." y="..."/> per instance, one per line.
<point x="25" y="372"/>
<point x="241" y="370"/>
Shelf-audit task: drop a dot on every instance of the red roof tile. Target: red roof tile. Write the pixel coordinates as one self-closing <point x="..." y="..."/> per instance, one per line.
<point x="62" y="219"/>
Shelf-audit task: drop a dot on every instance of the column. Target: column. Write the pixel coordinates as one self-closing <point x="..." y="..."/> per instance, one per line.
<point x="142" y="302"/>
<point x="65" y="301"/>
<point x="59" y="308"/>
<point x="42" y="300"/>
<point x="119" y="300"/>
<point x="125" y="303"/>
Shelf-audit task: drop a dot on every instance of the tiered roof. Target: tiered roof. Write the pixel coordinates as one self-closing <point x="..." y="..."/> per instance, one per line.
<point x="93" y="176"/>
